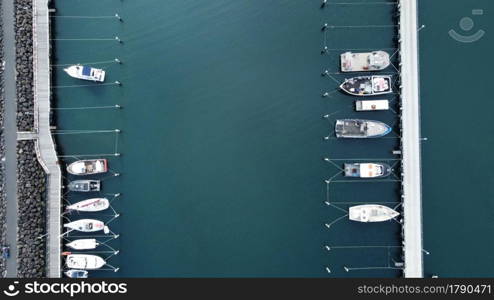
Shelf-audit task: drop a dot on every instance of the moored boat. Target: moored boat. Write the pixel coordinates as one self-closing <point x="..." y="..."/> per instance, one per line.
<point x="357" y="128"/>
<point x="84" y="261"/>
<point x="83" y="244"/>
<point x="87" y="225"/>
<point x="367" y="170"/>
<point x="371" y="105"/>
<point x="84" y="185"/>
<point x="72" y="273"/>
<point x="88" y="167"/>
<point x="367" y="85"/>
<point x="90" y="205"/>
<point x="86" y="73"/>
<point x="366" y="61"/>
<point x="371" y="213"/>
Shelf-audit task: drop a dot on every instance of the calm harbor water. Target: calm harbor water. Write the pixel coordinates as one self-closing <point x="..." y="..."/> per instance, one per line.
<point x="458" y="189"/>
<point x="221" y="142"/>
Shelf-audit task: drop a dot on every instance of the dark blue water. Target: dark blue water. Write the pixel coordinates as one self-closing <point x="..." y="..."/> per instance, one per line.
<point x="458" y="188"/>
<point x="221" y="142"/>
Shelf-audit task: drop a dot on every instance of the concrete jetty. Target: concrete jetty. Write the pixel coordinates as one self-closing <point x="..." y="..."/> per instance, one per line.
<point x="410" y="126"/>
<point x="45" y="146"/>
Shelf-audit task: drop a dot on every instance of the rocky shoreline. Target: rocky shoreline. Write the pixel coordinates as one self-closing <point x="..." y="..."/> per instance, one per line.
<point x="2" y="155"/>
<point x="31" y="186"/>
<point x="31" y="179"/>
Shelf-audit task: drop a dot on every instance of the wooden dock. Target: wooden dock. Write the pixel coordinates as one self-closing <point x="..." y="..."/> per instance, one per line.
<point x="45" y="146"/>
<point x="410" y="124"/>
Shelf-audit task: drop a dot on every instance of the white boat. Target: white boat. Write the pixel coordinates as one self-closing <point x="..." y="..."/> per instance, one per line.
<point x="86" y="73"/>
<point x="371" y="213"/>
<point x="72" y="273"/>
<point x="367" y="170"/>
<point x="87" y="225"/>
<point x="83" y="244"/>
<point x="84" y="261"/>
<point x="359" y="128"/>
<point x="364" y="62"/>
<point x="88" y="167"/>
<point x="367" y="85"/>
<point x="371" y="105"/>
<point x="90" y="205"/>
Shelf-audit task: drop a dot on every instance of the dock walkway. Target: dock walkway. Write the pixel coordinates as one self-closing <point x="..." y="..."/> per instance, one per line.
<point x="410" y="121"/>
<point x="45" y="146"/>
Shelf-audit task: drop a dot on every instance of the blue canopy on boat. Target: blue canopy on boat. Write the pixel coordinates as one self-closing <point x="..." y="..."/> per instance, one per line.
<point x="86" y="71"/>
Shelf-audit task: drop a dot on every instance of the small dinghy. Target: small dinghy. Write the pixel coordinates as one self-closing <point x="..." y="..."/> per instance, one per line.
<point x="84" y="186"/>
<point x="371" y="213"/>
<point x="358" y="129"/>
<point x="87" y="225"/>
<point x="367" y="170"/>
<point x="367" y="85"/>
<point x="88" y="167"/>
<point x="86" y="73"/>
<point x="364" y="62"/>
<point x="84" y="261"/>
<point x="83" y="244"/>
<point x="90" y="205"/>
<point x="76" y="273"/>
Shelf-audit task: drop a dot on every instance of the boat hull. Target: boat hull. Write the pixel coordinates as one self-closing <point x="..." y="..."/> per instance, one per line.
<point x="77" y="273"/>
<point x="367" y="170"/>
<point x="364" y="62"/>
<point x="362" y="86"/>
<point x="84" y="261"/>
<point x="86" y="73"/>
<point x="90" y="205"/>
<point x="360" y="129"/>
<point x="84" y="186"/>
<point x="371" y="213"/>
<point x="88" y="167"/>
<point x="86" y="225"/>
<point x="83" y="244"/>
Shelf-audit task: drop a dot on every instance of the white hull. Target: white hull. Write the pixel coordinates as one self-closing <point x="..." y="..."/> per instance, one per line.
<point x="86" y="73"/>
<point x="88" y="167"/>
<point x="83" y="244"/>
<point x="371" y="213"/>
<point x="90" y="205"/>
<point x="364" y="62"/>
<point x="84" y="262"/>
<point x="86" y="225"/>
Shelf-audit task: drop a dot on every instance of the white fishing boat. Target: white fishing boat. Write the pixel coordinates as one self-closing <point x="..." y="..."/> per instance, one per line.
<point x="90" y="205"/>
<point x="359" y="128"/>
<point x="72" y="273"/>
<point x="86" y="73"/>
<point x="364" y="62"/>
<point x="83" y="244"/>
<point x="87" y="225"/>
<point x="88" y="167"/>
<point x="371" y="105"/>
<point x="367" y="170"/>
<point x="371" y="213"/>
<point x="84" y="261"/>
<point x="367" y="85"/>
